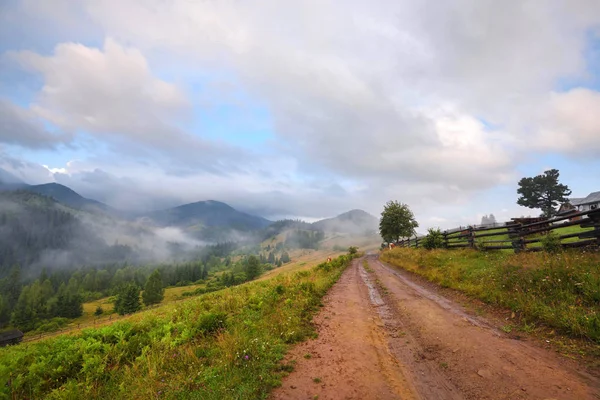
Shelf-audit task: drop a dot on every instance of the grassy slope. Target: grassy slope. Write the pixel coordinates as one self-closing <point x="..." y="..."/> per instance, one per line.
<point x="560" y="290"/>
<point x="221" y="345"/>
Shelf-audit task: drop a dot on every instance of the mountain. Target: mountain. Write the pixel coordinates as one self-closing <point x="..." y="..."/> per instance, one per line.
<point x="209" y="220"/>
<point x="36" y="229"/>
<point x="355" y="222"/>
<point x="69" y="197"/>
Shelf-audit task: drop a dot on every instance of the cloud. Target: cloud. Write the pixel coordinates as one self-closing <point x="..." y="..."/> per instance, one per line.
<point x="111" y="94"/>
<point x="19" y="126"/>
<point x="423" y="102"/>
<point x="572" y="124"/>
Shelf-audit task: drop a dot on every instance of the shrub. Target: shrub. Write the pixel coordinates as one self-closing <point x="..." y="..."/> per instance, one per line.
<point x="352" y="250"/>
<point x="434" y="239"/>
<point x="551" y="243"/>
<point x="99" y="311"/>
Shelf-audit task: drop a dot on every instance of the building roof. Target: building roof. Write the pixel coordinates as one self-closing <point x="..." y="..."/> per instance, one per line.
<point x="10" y="335"/>
<point x="592" y="198"/>
<point x="575" y="201"/>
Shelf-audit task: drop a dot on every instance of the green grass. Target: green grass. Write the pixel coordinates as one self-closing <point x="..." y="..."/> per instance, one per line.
<point x="222" y="345"/>
<point x="560" y="290"/>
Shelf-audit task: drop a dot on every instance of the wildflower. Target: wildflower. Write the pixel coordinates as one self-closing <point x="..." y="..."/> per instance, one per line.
<point x="246" y="357"/>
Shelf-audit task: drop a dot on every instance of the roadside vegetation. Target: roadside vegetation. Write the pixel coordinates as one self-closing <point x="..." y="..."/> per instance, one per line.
<point x="223" y="345"/>
<point x="559" y="289"/>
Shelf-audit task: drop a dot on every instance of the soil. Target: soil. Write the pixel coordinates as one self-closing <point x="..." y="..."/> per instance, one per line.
<point x="384" y="335"/>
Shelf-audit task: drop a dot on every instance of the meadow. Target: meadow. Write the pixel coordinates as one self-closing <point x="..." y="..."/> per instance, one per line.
<point x="560" y="290"/>
<point x="222" y="345"/>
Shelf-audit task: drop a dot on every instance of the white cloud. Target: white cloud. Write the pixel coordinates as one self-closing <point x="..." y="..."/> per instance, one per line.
<point x="385" y="96"/>
<point x="571" y="123"/>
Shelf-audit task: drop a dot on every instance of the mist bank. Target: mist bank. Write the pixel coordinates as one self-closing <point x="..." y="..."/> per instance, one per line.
<point x="37" y="232"/>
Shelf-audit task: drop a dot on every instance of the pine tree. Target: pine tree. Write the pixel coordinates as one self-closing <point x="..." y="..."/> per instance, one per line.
<point x="271" y="259"/>
<point x="252" y="267"/>
<point x="154" y="291"/>
<point x="23" y="316"/>
<point x="128" y="299"/>
<point x="285" y="257"/>
<point x="4" y="312"/>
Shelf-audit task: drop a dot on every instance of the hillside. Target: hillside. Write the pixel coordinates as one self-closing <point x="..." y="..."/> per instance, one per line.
<point x="354" y="222"/>
<point x="209" y="220"/>
<point x="69" y="197"/>
<point x="37" y="229"/>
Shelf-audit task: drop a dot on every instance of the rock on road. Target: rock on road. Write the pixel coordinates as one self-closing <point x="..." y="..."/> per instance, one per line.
<point x="384" y="336"/>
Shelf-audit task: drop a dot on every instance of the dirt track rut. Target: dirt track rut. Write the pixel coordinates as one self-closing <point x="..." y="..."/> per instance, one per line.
<point x="384" y="336"/>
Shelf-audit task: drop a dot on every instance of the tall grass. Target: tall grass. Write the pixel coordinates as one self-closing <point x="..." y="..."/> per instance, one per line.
<point x="561" y="290"/>
<point x="224" y="345"/>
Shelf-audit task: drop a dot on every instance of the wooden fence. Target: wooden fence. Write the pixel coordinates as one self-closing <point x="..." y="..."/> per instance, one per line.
<point x="520" y="236"/>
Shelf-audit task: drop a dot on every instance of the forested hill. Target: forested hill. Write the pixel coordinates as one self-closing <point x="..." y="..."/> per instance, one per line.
<point x="357" y="222"/>
<point x="211" y="221"/>
<point x="69" y="197"/>
<point x="36" y="229"/>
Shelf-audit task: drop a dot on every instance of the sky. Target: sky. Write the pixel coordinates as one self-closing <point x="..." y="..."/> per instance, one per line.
<point x="302" y="109"/>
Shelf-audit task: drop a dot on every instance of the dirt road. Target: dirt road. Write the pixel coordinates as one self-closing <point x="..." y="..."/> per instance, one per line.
<point x="384" y="336"/>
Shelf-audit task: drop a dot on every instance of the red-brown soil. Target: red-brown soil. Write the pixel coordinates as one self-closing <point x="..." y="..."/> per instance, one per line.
<point x="382" y="335"/>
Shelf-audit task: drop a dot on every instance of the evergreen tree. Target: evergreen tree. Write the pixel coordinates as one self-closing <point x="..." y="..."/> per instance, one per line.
<point x="285" y="257"/>
<point x="23" y="316"/>
<point x="252" y="267"/>
<point x="154" y="292"/>
<point x="99" y="311"/>
<point x="543" y="192"/>
<point x="69" y="303"/>
<point x="271" y="259"/>
<point x="4" y="312"/>
<point x="128" y="299"/>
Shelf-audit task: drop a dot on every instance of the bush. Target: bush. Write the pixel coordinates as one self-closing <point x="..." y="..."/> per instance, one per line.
<point x="352" y="250"/>
<point x="52" y="325"/>
<point x="551" y="243"/>
<point x="99" y="311"/>
<point x="434" y="239"/>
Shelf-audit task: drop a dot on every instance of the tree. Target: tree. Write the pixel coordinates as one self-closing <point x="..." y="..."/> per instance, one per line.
<point x="397" y="220"/>
<point x="99" y="311"/>
<point x="543" y="192"/>
<point x="352" y="250"/>
<point x="434" y="239"/>
<point x="154" y="292"/>
<point x="68" y="303"/>
<point x="23" y="316"/>
<point x="285" y="257"/>
<point x="128" y="299"/>
<point x="252" y="267"/>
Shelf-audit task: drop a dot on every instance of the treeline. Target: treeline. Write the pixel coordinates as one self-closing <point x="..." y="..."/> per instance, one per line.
<point x="30" y="305"/>
<point x="301" y="239"/>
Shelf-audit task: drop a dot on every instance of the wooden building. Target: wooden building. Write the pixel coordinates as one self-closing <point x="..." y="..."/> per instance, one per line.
<point x="13" y="336"/>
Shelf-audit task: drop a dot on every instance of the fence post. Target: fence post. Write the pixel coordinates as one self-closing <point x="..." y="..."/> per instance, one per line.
<point x="471" y="237"/>
<point x="519" y="242"/>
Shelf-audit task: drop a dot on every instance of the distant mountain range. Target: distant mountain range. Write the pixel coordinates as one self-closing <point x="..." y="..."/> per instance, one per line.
<point x="198" y="218"/>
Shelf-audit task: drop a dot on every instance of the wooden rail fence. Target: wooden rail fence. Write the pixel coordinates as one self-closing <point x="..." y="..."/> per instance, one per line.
<point x="520" y="236"/>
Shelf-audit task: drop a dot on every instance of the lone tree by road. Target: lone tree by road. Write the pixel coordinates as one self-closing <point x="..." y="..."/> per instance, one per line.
<point x="543" y="192"/>
<point x="154" y="292"/>
<point x="397" y="220"/>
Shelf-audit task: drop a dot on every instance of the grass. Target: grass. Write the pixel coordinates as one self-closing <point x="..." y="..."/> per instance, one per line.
<point x="560" y="290"/>
<point x="222" y="345"/>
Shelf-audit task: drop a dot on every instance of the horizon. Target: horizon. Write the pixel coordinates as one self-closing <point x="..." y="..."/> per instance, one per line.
<point x="302" y="110"/>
